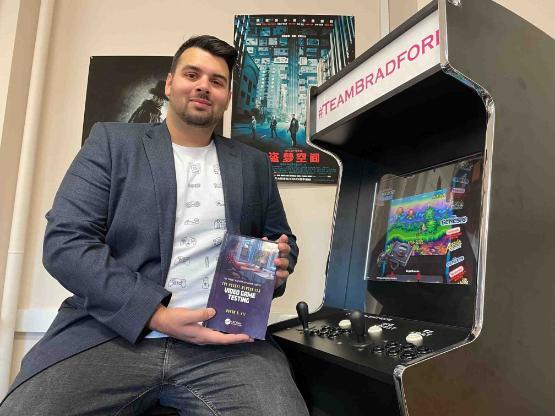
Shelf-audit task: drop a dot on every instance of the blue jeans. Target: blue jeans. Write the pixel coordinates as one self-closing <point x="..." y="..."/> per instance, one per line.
<point x="117" y="378"/>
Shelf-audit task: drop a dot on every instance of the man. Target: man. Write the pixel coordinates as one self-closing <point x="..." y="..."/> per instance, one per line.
<point x="253" y="127"/>
<point x="133" y="234"/>
<point x="293" y="128"/>
<point x="273" y="126"/>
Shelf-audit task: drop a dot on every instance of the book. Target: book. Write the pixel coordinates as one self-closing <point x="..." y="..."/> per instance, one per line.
<point x="243" y="286"/>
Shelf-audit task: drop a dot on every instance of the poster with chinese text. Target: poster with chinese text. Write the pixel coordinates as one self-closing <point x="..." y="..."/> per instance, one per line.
<point x="280" y="58"/>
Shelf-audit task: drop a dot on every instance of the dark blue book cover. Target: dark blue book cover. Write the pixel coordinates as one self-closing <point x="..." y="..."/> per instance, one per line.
<point x="243" y="286"/>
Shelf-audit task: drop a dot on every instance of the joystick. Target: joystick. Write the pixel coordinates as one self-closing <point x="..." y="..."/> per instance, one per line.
<point x="359" y="328"/>
<point x="302" y="312"/>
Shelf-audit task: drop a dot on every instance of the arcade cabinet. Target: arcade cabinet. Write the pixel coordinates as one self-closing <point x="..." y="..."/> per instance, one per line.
<point x="439" y="296"/>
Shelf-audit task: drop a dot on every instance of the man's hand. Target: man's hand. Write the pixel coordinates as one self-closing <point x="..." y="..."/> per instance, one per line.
<point x="282" y="262"/>
<point x="185" y="325"/>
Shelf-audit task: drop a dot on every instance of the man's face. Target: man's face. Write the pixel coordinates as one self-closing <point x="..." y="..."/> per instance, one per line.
<point x="199" y="90"/>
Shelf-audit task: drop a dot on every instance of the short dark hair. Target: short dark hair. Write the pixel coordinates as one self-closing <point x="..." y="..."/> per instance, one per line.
<point x="212" y="45"/>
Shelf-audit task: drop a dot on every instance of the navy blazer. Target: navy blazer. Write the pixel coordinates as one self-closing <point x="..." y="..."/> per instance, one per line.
<point x="109" y="237"/>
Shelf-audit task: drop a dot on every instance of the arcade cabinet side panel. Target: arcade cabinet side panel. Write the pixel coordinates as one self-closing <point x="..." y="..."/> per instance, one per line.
<point x="343" y="230"/>
<point x="356" y="285"/>
<point x="508" y="369"/>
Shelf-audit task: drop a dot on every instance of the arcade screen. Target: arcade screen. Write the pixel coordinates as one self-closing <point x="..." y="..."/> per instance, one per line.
<point x="425" y="226"/>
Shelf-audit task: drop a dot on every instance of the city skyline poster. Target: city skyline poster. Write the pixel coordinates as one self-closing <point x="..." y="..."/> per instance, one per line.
<point x="280" y="58"/>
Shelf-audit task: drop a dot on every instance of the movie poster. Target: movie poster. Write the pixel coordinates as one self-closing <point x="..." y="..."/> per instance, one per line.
<point x="280" y="58"/>
<point x="127" y="89"/>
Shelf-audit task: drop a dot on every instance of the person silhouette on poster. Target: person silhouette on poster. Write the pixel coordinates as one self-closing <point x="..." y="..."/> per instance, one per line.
<point x="150" y="110"/>
<point x="273" y="127"/>
<point x="293" y="129"/>
<point x="253" y="127"/>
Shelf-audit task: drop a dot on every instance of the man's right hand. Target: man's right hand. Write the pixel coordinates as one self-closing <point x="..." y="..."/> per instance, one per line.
<point x="186" y="325"/>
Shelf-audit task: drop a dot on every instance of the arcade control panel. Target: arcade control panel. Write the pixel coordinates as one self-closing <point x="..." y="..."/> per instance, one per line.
<point x="368" y="344"/>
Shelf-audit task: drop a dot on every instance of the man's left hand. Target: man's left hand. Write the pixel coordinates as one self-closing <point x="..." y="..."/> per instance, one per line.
<point x="282" y="262"/>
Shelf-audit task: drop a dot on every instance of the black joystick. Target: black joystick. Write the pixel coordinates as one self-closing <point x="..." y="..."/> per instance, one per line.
<point x="359" y="328"/>
<point x="302" y="312"/>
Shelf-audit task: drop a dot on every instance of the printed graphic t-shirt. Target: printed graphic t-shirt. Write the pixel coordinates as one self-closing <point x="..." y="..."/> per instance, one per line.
<point x="200" y="225"/>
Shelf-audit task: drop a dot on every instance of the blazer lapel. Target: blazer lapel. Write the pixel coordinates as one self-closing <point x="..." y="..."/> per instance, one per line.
<point x="231" y="170"/>
<point x="158" y="148"/>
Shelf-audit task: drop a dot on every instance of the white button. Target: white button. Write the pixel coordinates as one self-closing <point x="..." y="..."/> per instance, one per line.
<point x="414" y="338"/>
<point x="345" y="324"/>
<point x="375" y="330"/>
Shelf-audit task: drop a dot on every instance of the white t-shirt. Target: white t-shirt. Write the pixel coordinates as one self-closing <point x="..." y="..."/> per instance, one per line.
<point x="200" y="225"/>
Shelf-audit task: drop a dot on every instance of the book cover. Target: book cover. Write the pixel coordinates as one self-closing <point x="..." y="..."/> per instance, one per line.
<point x="243" y="286"/>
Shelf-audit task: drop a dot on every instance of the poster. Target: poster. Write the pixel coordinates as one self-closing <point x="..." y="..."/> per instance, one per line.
<point x="280" y="58"/>
<point x="127" y="89"/>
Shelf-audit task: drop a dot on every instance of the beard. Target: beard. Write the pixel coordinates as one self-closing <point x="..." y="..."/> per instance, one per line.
<point x="206" y="118"/>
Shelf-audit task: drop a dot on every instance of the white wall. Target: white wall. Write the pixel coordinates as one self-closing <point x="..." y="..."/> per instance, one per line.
<point x="101" y="27"/>
<point x="18" y="22"/>
<point x="399" y="11"/>
<point x="17" y="34"/>
<point x="541" y="13"/>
